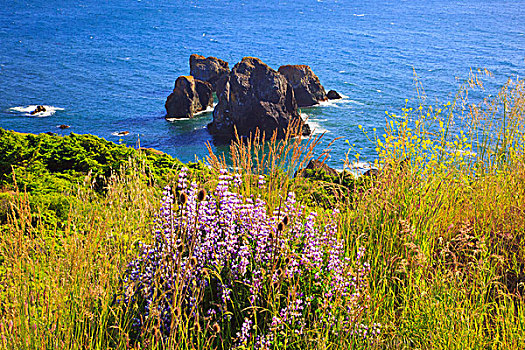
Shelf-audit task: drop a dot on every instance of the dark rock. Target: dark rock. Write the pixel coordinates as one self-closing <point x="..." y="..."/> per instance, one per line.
<point x="51" y="133"/>
<point x="209" y="69"/>
<point x="318" y="165"/>
<point x="122" y="133"/>
<point x="38" y="109"/>
<point x="63" y="126"/>
<point x="373" y="173"/>
<point x="307" y="88"/>
<point x="185" y="100"/>
<point x="333" y="95"/>
<point x="397" y="166"/>
<point x="204" y="92"/>
<point x="254" y="96"/>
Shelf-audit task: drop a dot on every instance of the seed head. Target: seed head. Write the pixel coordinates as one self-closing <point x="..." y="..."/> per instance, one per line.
<point x="183" y="198"/>
<point x="180" y="248"/>
<point x="201" y="195"/>
<point x="286" y="220"/>
<point x="176" y="312"/>
<point x="216" y="328"/>
<point x="193" y="261"/>
<point x="280" y="226"/>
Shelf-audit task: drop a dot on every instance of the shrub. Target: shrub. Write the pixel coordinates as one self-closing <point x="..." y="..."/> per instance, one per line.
<point x="221" y="265"/>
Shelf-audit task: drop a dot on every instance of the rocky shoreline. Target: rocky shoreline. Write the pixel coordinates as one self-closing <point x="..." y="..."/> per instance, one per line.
<point x="252" y="97"/>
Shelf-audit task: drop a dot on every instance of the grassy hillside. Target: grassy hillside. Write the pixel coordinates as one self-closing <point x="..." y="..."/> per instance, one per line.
<point x="428" y="254"/>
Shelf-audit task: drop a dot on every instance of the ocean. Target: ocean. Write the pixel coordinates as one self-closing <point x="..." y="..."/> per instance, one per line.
<point x="104" y="67"/>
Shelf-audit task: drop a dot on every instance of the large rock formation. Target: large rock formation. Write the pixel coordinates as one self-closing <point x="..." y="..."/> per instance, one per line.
<point x="254" y="96"/>
<point x="209" y="69"/>
<point x="189" y="97"/>
<point x="306" y="85"/>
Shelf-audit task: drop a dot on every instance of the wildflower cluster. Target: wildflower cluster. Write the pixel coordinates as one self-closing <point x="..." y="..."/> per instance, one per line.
<point x="225" y="265"/>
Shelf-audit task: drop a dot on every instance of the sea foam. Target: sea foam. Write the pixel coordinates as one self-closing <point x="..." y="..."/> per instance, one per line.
<point x="207" y="110"/>
<point x="26" y="111"/>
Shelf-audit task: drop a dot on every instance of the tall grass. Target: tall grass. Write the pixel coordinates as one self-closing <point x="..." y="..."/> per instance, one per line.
<point x="444" y="223"/>
<point x="441" y="225"/>
<point x="58" y="286"/>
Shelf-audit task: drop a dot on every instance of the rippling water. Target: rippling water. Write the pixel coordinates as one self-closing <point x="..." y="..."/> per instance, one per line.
<point x="108" y="66"/>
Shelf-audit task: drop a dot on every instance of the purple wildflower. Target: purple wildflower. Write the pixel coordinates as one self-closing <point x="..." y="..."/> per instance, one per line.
<point x="209" y="253"/>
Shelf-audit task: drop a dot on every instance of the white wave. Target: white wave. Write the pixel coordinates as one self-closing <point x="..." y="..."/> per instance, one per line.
<point x="207" y="110"/>
<point x="328" y="103"/>
<point x="342" y="71"/>
<point x="121" y="133"/>
<point x="464" y="152"/>
<point x="360" y="166"/>
<point x="26" y="111"/>
<point x="359" y="15"/>
<point x="314" y="124"/>
<point x="316" y="128"/>
<point x="332" y="103"/>
<point x="356" y="102"/>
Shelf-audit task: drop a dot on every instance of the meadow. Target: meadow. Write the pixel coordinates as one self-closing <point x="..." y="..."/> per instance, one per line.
<point x="108" y="247"/>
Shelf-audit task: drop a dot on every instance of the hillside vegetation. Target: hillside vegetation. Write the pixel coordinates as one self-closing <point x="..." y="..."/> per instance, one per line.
<point x="106" y="247"/>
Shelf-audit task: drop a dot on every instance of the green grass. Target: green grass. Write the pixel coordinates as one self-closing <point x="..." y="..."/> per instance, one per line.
<point x="443" y="234"/>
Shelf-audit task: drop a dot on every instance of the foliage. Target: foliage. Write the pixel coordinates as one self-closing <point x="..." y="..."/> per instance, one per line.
<point x="50" y="168"/>
<point x="442" y="223"/>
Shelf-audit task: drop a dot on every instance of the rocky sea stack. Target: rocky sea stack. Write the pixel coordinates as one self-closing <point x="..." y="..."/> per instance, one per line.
<point x="209" y="69"/>
<point x="189" y="97"/>
<point x="333" y="95"/>
<point x="254" y="96"/>
<point x="306" y="85"/>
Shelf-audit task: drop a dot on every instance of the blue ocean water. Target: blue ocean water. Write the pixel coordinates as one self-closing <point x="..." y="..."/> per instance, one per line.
<point x="109" y="65"/>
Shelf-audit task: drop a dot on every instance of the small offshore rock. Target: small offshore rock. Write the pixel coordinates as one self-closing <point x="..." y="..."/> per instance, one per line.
<point x="63" y="126"/>
<point x="307" y="88"/>
<point x="189" y="97"/>
<point x="333" y="95"/>
<point x="123" y="133"/>
<point x="209" y="69"/>
<point x="38" y="109"/>
<point x="372" y="173"/>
